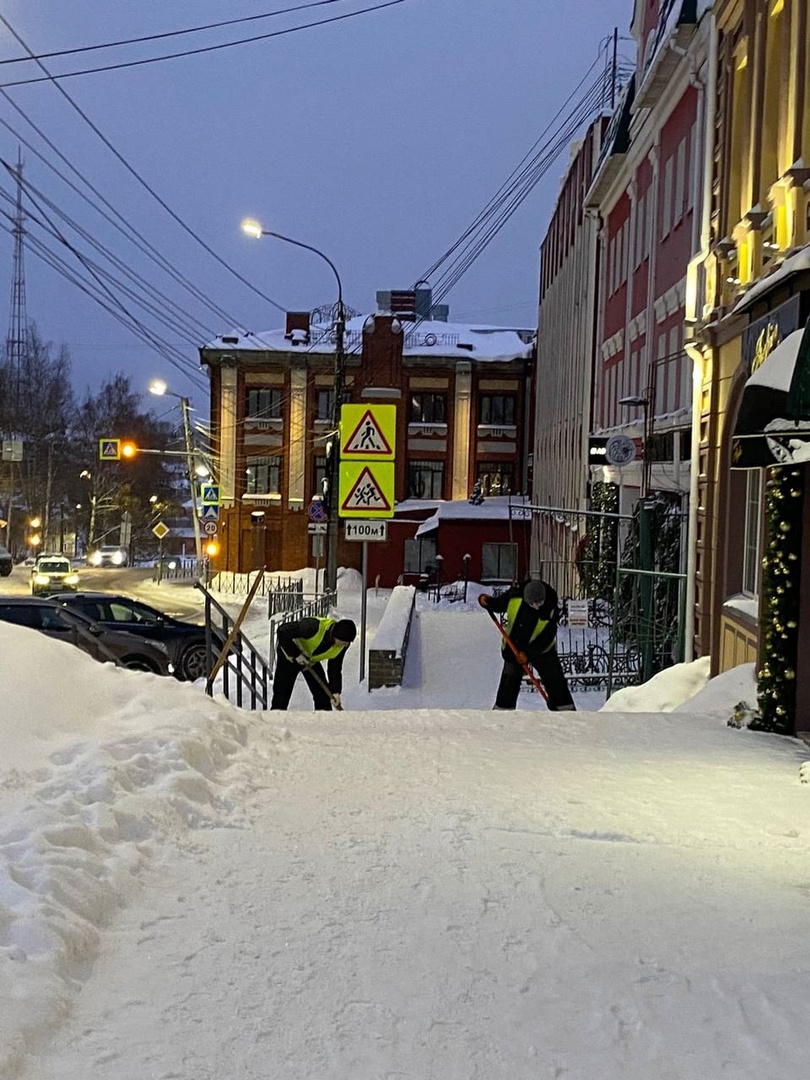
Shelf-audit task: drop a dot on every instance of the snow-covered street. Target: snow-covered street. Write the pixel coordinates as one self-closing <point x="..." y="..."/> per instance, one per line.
<point x="189" y="891"/>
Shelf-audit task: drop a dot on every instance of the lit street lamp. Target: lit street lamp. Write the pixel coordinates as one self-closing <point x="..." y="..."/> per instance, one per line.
<point x="159" y="388"/>
<point x="254" y="229"/>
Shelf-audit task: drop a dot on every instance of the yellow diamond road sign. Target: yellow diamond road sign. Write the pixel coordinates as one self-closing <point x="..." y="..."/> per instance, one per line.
<point x="368" y="432"/>
<point x="366" y="489"/>
<point x="160" y="530"/>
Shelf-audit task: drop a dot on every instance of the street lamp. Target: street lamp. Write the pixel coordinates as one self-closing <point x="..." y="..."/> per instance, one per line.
<point x="254" y="229"/>
<point x="159" y="388"/>
<point x="644" y="403"/>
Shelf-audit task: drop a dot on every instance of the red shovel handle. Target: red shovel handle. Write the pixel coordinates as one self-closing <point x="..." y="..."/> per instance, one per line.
<point x="518" y="656"/>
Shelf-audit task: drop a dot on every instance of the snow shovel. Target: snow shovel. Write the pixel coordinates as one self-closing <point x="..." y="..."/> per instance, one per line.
<point x="524" y="663"/>
<point x="335" y="704"/>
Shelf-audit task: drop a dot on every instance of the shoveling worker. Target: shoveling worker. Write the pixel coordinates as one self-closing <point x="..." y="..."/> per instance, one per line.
<point x="532" y="614"/>
<point x="304" y="646"/>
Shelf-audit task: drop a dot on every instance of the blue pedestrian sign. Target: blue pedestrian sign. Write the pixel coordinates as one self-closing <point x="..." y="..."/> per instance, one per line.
<point x="209" y="513"/>
<point x="209" y="495"/>
<point x="109" y="449"/>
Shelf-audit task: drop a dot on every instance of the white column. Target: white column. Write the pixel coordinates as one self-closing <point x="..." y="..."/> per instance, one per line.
<point x="461" y="430"/>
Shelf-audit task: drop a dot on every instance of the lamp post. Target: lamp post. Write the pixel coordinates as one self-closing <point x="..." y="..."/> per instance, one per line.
<point x="644" y="402"/>
<point x="254" y="229"/>
<point x="159" y="388"/>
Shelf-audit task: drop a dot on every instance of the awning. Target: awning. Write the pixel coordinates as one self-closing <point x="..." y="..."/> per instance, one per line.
<point x="774" y="412"/>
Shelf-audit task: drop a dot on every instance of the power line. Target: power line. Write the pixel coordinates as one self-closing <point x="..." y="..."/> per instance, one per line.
<point x="169" y="33"/>
<point x="167" y="351"/>
<point x="134" y="173"/>
<point x="193" y="326"/>
<point x="194" y="52"/>
<point x="118" y="221"/>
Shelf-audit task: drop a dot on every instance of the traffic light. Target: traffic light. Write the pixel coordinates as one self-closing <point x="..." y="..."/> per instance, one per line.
<point x="211" y="548"/>
<point x="128" y="450"/>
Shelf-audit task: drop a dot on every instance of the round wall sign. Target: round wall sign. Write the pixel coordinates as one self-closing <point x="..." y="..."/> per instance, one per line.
<point x="620" y="450"/>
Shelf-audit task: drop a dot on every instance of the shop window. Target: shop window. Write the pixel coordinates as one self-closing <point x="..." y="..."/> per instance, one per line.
<point x="498" y="562"/>
<point x="425" y="479"/>
<point x="263" y="476"/>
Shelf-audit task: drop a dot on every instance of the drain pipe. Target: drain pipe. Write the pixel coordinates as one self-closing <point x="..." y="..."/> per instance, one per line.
<point x="707" y="90"/>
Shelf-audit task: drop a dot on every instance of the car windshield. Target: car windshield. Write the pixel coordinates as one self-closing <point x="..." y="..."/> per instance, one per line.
<point x="53" y="566"/>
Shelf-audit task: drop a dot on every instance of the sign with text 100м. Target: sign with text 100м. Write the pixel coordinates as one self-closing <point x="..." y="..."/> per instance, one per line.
<point x="367" y="447"/>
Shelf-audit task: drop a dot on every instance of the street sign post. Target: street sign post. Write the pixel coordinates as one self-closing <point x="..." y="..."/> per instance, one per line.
<point x="366" y="530"/>
<point x="366" y="489"/>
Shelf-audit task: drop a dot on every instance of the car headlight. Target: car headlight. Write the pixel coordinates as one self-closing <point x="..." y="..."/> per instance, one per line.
<point x="71" y="579"/>
<point x="95" y="558"/>
<point x="41" y="579"/>
<point x="117" y="558"/>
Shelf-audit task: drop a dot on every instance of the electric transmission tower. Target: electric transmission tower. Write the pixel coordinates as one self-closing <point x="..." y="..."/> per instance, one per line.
<point x="18" y="339"/>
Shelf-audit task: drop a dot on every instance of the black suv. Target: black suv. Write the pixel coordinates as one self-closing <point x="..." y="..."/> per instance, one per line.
<point x="184" y="642"/>
<point x="6" y="562"/>
<point x="100" y="642"/>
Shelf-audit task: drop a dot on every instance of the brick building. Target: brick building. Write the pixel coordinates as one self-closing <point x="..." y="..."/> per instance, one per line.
<point x="463" y="395"/>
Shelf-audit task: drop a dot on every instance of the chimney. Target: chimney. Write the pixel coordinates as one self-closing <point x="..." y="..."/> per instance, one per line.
<point x="297" y="329"/>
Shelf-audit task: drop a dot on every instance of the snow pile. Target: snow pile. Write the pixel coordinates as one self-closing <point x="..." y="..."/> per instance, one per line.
<point x="79" y="824"/>
<point x="664" y="691"/>
<point x="738" y="684"/>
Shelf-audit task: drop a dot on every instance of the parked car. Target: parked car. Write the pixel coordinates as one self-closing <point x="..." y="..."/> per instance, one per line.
<point x="100" y="642"/>
<point x="6" y="562"/>
<point x="108" y="555"/>
<point x="51" y="574"/>
<point x="185" y="642"/>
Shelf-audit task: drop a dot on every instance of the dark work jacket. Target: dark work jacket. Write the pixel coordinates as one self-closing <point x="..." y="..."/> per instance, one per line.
<point x="288" y="636"/>
<point x="526" y="621"/>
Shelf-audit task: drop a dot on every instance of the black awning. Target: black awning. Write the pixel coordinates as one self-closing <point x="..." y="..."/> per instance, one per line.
<point x="775" y="406"/>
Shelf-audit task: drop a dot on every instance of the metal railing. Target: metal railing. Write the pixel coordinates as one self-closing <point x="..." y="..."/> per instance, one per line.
<point x="246" y="674"/>
<point x="317" y="607"/>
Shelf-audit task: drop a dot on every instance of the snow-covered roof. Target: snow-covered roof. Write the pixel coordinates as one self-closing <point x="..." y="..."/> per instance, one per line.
<point x="422" y="338"/>
<point x="794" y="264"/>
<point x="495" y="508"/>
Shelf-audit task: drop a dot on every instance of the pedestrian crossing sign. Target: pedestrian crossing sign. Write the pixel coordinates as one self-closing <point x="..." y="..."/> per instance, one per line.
<point x="209" y="494"/>
<point x="368" y="432"/>
<point x="366" y="489"/>
<point x="109" y="449"/>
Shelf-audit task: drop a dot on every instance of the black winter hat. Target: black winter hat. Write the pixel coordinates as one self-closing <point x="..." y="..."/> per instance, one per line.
<point x="344" y="630"/>
<point x="534" y="592"/>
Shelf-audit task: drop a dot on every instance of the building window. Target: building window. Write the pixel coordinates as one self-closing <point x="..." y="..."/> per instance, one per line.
<point x="323" y="404"/>
<point x="497" y="477"/>
<point x="497" y="410"/>
<point x="753" y="532"/>
<point x="264" y="404"/>
<point x="318" y="478"/>
<point x="428" y="408"/>
<point x="420" y="554"/>
<point x="498" y="562"/>
<point x="425" y="479"/>
<point x="263" y="476"/>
